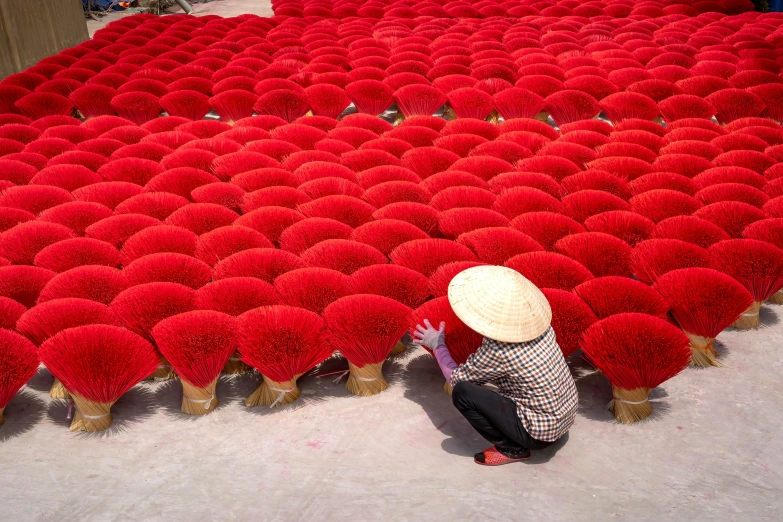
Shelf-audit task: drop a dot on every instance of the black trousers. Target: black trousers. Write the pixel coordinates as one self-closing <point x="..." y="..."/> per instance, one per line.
<point x="494" y="417"/>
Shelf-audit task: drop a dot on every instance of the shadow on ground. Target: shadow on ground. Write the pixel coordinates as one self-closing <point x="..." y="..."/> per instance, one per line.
<point x="131" y="409"/>
<point x="21" y="414"/>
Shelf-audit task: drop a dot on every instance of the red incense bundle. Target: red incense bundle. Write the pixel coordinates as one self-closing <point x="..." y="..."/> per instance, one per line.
<point x="495" y="245"/>
<point x="282" y="342"/>
<point x="547" y="228"/>
<point x="616" y="295"/>
<point x="427" y="255"/>
<point x="141" y="307"/>
<point x="704" y="302"/>
<point x="18" y="363"/>
<point x="312" y="288"/>
<point x="636" y="352"/>
<point x="757" y="265"/>
<point x="263" y="263"/>
<point x="570" y="318"/>
<point x="601" y="253"/>
<point x="342" y="255"/>
<point x="197" y="345"/>
<point x="690" y="229"/>
<point x="441" y="278"/>
<point x="158" y="239"/>
<point x="654" y="257"/>
<point x="23" y="242"/>
<point x="628" y="226"/>
<point x="168" y="267"/>
<point x="235" y="296"/>
<point x="550" y="270"/>
<point x="97" y="364"/>
<point x="365" y="328"/>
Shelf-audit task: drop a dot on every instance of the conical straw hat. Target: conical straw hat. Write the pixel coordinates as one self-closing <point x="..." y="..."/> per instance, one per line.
<point x="500" y="303"/>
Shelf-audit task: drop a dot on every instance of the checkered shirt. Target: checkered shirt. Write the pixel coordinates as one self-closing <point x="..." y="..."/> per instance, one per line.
<point x="532" y="374"/>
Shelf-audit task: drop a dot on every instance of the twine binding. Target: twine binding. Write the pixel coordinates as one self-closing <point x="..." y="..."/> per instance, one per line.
<point x="630" y="405"/>
<point x="750" y="318"/>
<point x="367" y="380"/>
<point x="198" y="401"/>
<point x="90" y="416"/>
<point x="274" y="394"/>
<point x="703" y="353"/>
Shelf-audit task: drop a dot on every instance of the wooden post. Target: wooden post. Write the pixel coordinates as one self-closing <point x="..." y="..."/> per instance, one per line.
<point x="34" y="29"/>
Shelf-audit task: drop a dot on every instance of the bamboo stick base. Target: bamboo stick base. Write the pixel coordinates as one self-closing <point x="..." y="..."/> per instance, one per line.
<point x="58" y="391"/>
<point x="749" y="318"/>
<point x="777" y="298"/>
<point x="448" y="388"/>
<point x="1" y="415"/>
<point x="90" y="416"/>
<point x="274" y="394"/>
<point x="398" y="349"/>
<point x="631" y="405"/>
<point x="198" y="401"/>
<point x="367" y="380"/>
<point x="703" y="354"/>
<point x="235" y="366"/>
<point x="164" y="371"/>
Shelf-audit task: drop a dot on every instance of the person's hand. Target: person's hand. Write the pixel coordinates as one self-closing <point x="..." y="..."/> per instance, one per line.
<point x="428" y="336"/>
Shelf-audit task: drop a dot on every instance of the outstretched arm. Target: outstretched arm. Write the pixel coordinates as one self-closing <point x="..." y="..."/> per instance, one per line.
<point x="435" y="340"/>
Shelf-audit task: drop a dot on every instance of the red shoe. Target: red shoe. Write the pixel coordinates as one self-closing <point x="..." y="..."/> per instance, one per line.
<point x="492" y="457"/>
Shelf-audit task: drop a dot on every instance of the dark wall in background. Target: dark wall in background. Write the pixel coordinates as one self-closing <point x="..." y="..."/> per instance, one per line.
<point x="33" y="29"/>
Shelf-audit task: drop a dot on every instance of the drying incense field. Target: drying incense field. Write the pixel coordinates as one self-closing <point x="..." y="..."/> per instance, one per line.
<point x="216" y="234"/>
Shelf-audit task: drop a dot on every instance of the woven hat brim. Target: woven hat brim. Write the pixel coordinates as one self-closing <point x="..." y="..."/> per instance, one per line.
<point x="499" y="303"/>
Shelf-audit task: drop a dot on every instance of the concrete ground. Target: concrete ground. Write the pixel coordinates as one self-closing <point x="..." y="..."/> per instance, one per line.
<point x="224" y="8"/>
<point x="712" y="451"/>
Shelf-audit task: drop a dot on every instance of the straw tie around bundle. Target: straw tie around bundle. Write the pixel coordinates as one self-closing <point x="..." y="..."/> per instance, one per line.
<point x="273" y="393"/>
<point x="90" y="415"/>
<point x="367" y="380"/>
<point x="630" y="405"/>
<point x="199" y="401"/>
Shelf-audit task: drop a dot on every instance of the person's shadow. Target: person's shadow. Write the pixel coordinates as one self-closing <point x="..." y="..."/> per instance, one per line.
<point x="462" y="439"/>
